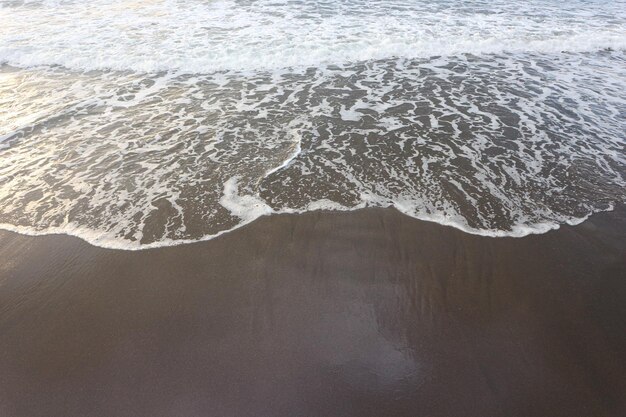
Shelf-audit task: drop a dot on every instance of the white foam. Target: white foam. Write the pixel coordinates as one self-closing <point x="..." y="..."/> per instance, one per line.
<point x="129" y="160"/>
<point x="246" y="207"/>
<point x="197" y="36"/>
<point x="251" y="208"/>
<point x="297" y="148"/>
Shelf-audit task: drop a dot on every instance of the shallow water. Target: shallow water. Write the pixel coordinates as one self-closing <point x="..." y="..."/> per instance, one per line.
<point x="138" y="124"/>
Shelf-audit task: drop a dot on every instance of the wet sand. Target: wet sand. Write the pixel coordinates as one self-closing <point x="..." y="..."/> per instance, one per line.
<point x="369" y="313"/>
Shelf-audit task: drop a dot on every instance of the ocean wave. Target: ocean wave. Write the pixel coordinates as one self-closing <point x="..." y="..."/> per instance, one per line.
<point x="212" y="114"/>
<point x="502" y="146"/>
<point x="202" y="37"/>
<point x="251" y="208"/>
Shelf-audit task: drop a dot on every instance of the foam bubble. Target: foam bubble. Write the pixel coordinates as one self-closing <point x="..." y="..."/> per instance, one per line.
<point x="246" y="207"/>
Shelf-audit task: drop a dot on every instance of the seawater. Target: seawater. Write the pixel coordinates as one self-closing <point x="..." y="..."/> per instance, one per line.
<point x="135" y="124"/>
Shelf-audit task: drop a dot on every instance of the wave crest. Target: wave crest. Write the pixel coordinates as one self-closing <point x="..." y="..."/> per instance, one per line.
<point x="201" y="37"/>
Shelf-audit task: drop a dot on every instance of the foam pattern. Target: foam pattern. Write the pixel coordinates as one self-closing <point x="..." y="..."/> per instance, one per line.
<point x="199" y="36"/>
<point x="178" y="121"/>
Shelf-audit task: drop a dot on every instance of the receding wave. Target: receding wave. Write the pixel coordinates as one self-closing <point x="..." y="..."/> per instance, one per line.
<point x="136" y="124"/>
<point x="503" y="146"/>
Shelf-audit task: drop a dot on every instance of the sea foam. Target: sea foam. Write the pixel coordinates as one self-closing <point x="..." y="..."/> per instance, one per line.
<point x="195" y="36"/>
<point x="143" y="124"/>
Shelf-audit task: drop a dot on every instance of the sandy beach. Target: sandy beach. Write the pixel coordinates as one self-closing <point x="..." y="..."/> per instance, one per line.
<point x="367" y="313"/>
<point x="302" y="208"/>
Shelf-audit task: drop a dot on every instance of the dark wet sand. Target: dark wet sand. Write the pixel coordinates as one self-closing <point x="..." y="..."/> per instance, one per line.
<point x="369" y="313"/>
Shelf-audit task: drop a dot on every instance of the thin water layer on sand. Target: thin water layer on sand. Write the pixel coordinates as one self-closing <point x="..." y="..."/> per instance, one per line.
<point x="497" y="145"/>
<point x="177" y="121"/>
<point x="362" y="314"/>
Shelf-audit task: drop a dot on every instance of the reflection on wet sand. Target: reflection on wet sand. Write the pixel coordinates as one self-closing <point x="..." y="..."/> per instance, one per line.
<point x="367" y="313"/>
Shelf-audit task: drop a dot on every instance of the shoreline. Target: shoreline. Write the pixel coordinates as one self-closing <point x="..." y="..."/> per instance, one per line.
<point x="536" y="229"/>
<point x="361" y="313"/>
